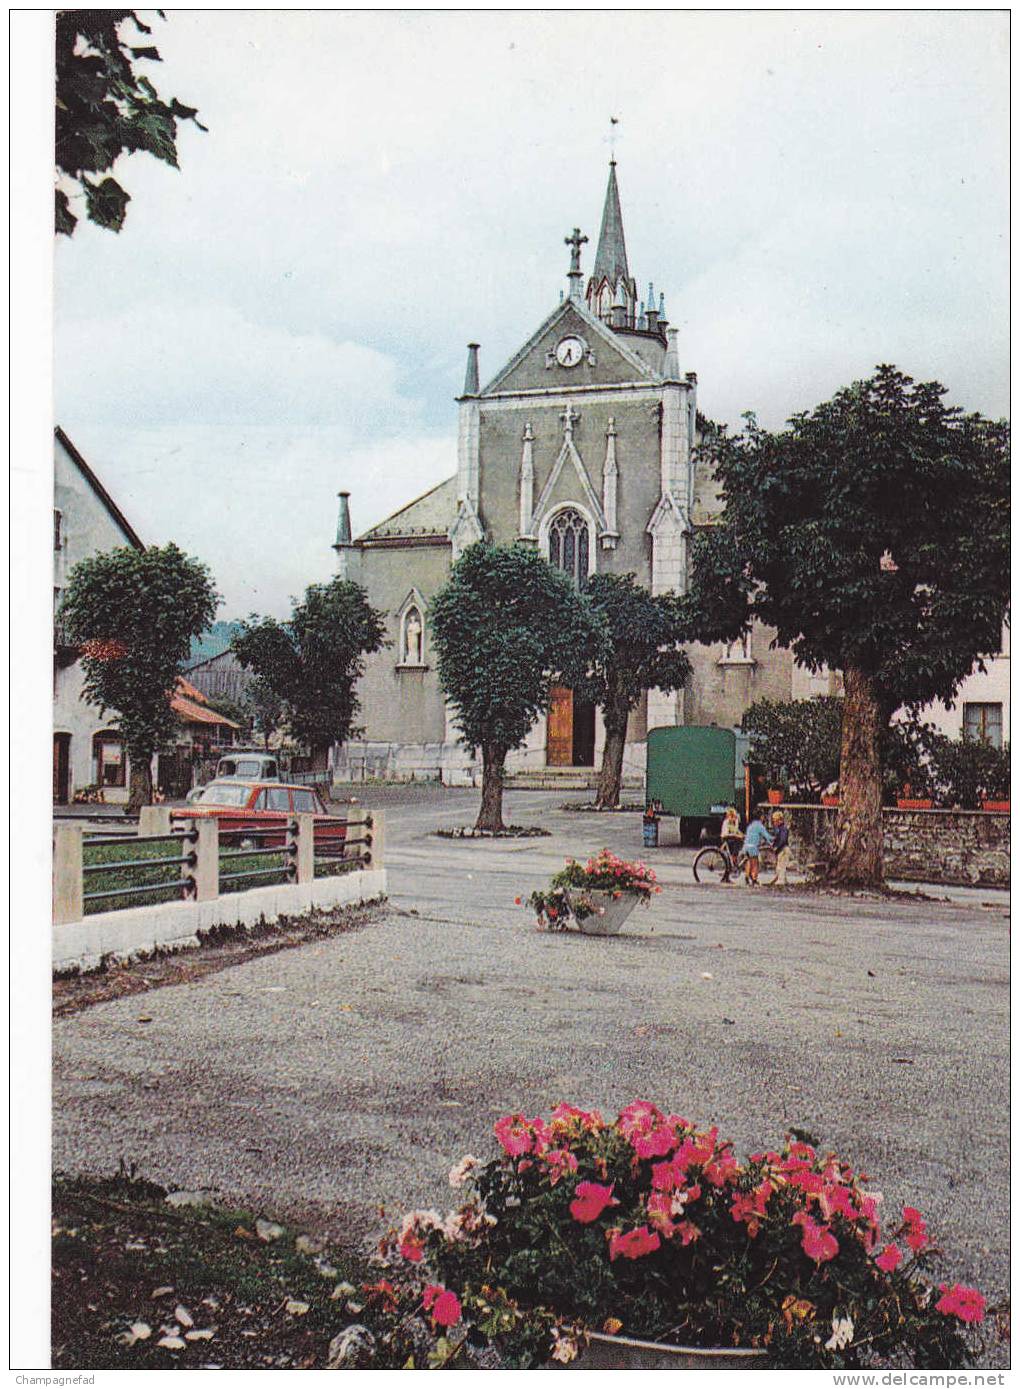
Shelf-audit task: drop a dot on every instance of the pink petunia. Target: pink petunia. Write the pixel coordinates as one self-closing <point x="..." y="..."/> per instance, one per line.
<point x="443" y="1305"/>
<point x="411" y="1249"/>
<point x="634" y="1244"/>
<point x="890" y="1258"/>
<point x="514" y="1134"/>
<point x="590" y="1200"/>
<point x="640" y="1117"/>
<point x="966" y="1303"/>
<point x="659" y="1143"/>
<point x="915" y="1236"/>
<point x="817" y="1241"/>
<point x="559" y="1160"/>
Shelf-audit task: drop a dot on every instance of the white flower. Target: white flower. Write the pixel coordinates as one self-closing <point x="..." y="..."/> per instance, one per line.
<point x="564" y="1347"/>
<point x="417" y="1221"/>
<point x="842" y="1333"/>
<point x="463" y="1170"/>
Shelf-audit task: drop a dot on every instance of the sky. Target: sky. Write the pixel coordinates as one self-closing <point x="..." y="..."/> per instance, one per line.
<point x="287" y="315"/>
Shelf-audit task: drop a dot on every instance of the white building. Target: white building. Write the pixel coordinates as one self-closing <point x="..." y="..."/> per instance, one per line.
<point x="87" y="750"/>
<point x="982" y="704"/>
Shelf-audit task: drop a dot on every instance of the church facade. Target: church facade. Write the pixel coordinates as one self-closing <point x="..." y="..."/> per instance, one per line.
<point x="582" y="445"/>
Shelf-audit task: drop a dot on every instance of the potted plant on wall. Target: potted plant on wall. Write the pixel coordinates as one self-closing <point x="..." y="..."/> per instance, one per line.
<point x="645" y="1243"/>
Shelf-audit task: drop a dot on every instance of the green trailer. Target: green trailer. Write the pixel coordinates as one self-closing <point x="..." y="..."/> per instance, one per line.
<point x="693" y="774"/>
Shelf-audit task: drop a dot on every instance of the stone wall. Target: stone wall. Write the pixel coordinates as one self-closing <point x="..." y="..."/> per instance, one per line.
<point x="967" y="848"/>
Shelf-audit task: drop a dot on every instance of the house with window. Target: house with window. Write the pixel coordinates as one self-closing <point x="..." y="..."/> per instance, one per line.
<point x="981" y="710"/>
<point x="87" y="749"/>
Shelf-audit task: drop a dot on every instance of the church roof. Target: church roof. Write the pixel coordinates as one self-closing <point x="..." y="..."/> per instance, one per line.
<point x="642" y="370"/>
<point x="430" y="514"/>
<point x="611" y="255"/>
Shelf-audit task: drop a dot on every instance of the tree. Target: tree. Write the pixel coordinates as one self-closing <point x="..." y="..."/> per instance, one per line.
<point x="797" y="739"/>
<point x="506" y="626"/>
<point x="240" y="714"/>
<point x="313" y="662"/>
<point x="801" y="740"/>
<point x="104" y="109"/>
<point x="133" y="614"/>
<point x="965" y="771"/>
<point x="873" y="535"/>
<point x="639" y="651"/>
<point x="265" y="708"/>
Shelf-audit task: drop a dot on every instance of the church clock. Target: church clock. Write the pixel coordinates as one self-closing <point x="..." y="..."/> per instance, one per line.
<point x="569" y="351"/>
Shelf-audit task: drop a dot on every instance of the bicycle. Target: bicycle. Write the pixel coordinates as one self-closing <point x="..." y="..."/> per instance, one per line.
<point x="716" y="864"/>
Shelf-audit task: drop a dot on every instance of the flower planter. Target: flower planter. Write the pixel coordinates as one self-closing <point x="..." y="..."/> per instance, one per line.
<point x="995" y="805"/>
<point x="775" y="797"/>
<point x="830" y="800"/>
<point x="622" y="1353"/>
<point x="610" y="911"/>
<point x="902" y="803"/>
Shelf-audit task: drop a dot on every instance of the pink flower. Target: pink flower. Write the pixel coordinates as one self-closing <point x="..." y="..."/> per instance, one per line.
<point x="966" y="1303"/>
<point x="639" y="1117"/>
<point x="658" y="1143"/>
<point x="667" y="1175"/>
<point x="559" y="1160"/>
<point x="590" y="1200"/>
<point x="411" y="1249"/>
<point x="818" y="1241"/>
<point x="659" y="1207"/>
<point x="443" y="1304"/>
<point x="889" y="1259"/>
<point x="519" y="1135"/>
<point x="634" y="1244"/>
<point x="915" y="1234"/>
<point x="722" y="1169"/>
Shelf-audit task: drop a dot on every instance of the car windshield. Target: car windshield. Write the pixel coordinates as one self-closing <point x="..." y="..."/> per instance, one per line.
<point x="224" y="793"/>
<point x="251" y="766"/>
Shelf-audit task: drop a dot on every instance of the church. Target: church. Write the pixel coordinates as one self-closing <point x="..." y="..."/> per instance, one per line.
<point x="582" y="445"/>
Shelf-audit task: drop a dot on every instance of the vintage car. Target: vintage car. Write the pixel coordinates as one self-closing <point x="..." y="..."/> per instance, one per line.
<point x="264" y="805"/>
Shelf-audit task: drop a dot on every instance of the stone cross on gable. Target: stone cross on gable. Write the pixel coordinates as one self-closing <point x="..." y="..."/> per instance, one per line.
<point x="575" y="242"/>
<point x="569" y="418"/>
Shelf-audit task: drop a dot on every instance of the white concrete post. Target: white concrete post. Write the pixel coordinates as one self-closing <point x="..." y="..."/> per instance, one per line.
<point x="378" y="846"/>
<point x="206" y="872"/>
<point x="153" y="819"/>
<point x="68" y="900"/>
<point x="305" y="858"/>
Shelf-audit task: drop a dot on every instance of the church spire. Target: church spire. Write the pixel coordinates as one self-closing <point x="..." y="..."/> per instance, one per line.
<point x="611" y="287"/>
<point x="611" y="255"/>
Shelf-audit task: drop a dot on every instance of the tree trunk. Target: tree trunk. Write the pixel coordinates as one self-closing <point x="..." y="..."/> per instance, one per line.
<point x="857" y="856"/>
<point x="490" y="814"/>
<point x="140" y="789"/>
<point x="611" y="775"/>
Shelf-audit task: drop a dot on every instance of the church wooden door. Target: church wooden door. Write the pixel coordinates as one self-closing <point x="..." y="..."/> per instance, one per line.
<point x="559" y="747"/>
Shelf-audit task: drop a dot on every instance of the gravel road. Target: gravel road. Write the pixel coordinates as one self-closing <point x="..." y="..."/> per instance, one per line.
<point x="324" y="1082"/>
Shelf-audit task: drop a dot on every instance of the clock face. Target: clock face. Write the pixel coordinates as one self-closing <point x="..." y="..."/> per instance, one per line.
<point x="569" y="352"/>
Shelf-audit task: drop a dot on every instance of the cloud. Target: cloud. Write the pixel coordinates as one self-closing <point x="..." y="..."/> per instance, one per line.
<point x="185" y="361"/>
<point x="258" y="503"/>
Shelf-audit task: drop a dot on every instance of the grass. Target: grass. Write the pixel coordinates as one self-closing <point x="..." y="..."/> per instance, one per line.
<point x="117" y="1244"/>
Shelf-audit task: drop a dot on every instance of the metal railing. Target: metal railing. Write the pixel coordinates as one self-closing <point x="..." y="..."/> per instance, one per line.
<point x="182" y="883"/>
<point x="298" y="849"/>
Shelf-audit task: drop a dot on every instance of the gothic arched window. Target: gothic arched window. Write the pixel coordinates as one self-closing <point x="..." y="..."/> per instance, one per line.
<point x="568" y="545"/>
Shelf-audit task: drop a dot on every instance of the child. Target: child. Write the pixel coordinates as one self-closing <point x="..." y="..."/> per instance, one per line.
<point x="730" y="833"/>
<point x="756" y="832"/>
<point x="782" y="835"/>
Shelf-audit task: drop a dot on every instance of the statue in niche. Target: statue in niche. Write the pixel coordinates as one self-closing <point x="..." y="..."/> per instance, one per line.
<point x="412" y="639"/>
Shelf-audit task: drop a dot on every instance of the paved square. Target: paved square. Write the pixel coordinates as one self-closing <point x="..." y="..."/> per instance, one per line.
<point x="325" y="1081"/>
